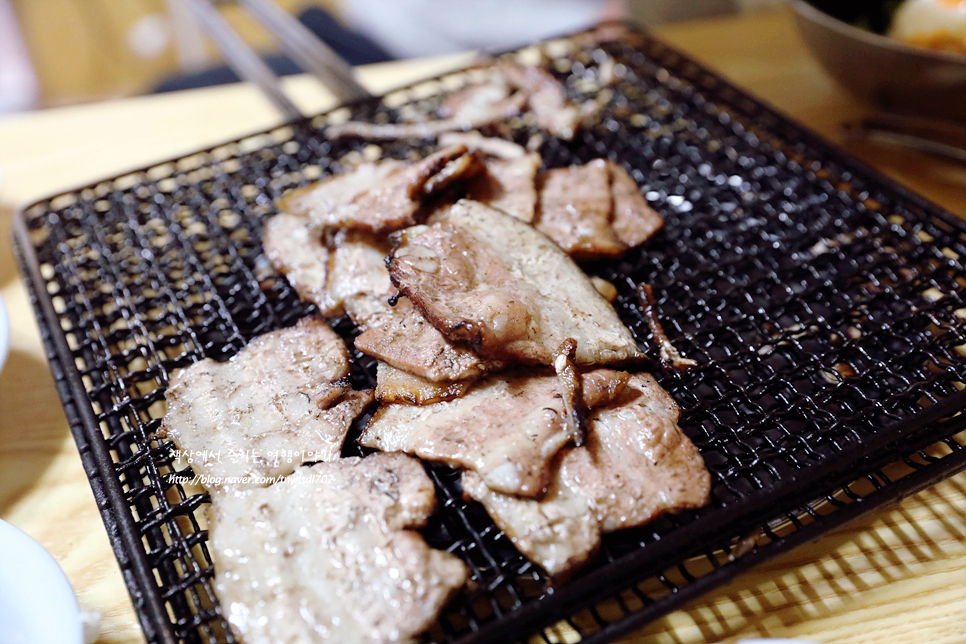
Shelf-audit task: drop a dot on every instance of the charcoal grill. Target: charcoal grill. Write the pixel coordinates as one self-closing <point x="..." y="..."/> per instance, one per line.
<point x="823" y="303"/>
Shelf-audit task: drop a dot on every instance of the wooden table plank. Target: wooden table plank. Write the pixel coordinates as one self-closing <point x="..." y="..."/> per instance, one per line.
<point x="894" y="577"/>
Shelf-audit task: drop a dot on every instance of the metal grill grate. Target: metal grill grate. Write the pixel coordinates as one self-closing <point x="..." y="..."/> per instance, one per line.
<point x="825" y="305"/>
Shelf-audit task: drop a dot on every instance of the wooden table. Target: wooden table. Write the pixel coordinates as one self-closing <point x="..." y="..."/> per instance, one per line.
<point x="898" y="576"/>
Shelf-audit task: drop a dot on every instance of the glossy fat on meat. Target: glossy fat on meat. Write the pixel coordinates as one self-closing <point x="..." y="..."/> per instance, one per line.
<point x="331" y="554"/>
<point x="297" y="250"/>
<point x="634" y="220"/>
<point x="358" y="280"/>
<point x="395" y="386"/>
<point x="346" y="274"/>
<point x="485" y="278"/>
<point x="405" y="340"/>
<point x="379" y="197"/>
<point x="555" y="532"/>
<point x="507" y="427"/>
<point x="637" y="465"/>
<point x="575" y="211"/>
<point x="508" y="185"/>
<point x="280" y="401"/>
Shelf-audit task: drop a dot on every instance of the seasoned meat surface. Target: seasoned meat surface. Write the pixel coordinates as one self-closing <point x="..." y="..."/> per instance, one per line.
<point x="637" y="465"/>
<point x="404" y="339"/>
<point x="358" y="280"/>
<point x="634" y="220"/>
<point x="575" y="211"/>
<point x="330" y="554"/>
<point x="397" y="386"/>
<point x="508" y="185"/>
<point x="506" y="428"/>
<point x="483" y="277"/>
<point x="282" y="395"/>
<point x="297" y="250"/>
<point x="379" y="197"/>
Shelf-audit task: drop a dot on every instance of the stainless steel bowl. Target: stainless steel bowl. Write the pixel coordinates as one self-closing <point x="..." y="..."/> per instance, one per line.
<point x="883" y="71"/>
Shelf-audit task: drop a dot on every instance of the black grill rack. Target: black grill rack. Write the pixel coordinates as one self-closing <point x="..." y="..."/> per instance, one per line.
<point x="825" y="305"/>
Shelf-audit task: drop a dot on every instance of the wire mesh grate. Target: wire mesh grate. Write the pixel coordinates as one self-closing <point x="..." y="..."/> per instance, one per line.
<point x="824" y="305"/>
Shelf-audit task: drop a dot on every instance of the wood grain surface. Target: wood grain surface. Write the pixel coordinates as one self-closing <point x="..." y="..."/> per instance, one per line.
<point x="897" y="576"/>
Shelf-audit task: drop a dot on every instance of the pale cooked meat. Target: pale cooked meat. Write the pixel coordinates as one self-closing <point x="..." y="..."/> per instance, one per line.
<point x="634" y="220"/>
<point x="492" y="146"/>
<point x="555" y="532"/>
<point x="407" y="341"/>
<point x="483" y="277"/>
<point x="283" y="394"/>
<point x="637" y="448"/>
<point x="321" y="199"/>
<point x="331" y="554"/>
<point x="379" y="197"/>
<point x="297" y="250"/>
<point x="506" y="428"/>
<point x="395" y="386"/>
<point x="546" y="97"/>
<point x="575" y="211"/>
<point x="637" y="465"/>
<point x="473" y="107"/>
<point x="607" y="290"/>
<point x="358" y="280"/>
<point x="508" y="185"/>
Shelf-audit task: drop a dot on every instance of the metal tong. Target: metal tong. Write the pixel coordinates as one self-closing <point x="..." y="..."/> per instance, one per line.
<point x="292" y="37"/>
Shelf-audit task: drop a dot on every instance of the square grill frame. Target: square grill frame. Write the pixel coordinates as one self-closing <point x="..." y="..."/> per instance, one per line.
<point x="785" y="406"/>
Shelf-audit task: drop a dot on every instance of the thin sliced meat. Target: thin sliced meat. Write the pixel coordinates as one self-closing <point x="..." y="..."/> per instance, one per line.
<point x="298" y="251"/>
<point x="379" y="197"/>
<point x="358" y="280"/>
<point x="395" y="386"/>
<point x="637" y="465"/>
<point x="507" y="428"/>
<point x="473" y="107"/>
<point x="280" y="401"/>
<point x="571" y="390"/>
<point x="576" y="206"/>
<point x="331" y="554"/>
<point x="546" y="97"/>
<point x="554" y="532"/>
<point x="485" y="278"/>
<point x="405" y="340"/>
<point x="634" y="220"/>
<point x="508" y="185"/>
<point x="491" y="146"/>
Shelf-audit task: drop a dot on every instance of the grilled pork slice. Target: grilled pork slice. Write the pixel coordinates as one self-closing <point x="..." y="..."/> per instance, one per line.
<point x="508" y="185"/>
<point x="576" y="205"/>
<point x="506" y="428"/>
<point x="634" y="220"/>
<point x="546" y="97"/>
<point x="358" y="279"/>
<point x="475" y="106"/>
<point x="279" y="402"/>
<point x="407" y="341"/>
<point x="331" y="554"/>
<point x="379" y="197"/>
<point x="485" y="278"/>
<point x="397" y="386"/>
<point x="297" y="250"/>
<point x="637" y="465"/>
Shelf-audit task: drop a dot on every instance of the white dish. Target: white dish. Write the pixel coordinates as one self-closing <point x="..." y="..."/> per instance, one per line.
<point x="37" y="604"/>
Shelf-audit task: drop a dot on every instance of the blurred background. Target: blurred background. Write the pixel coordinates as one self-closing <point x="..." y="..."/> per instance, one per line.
<point x="63" y="52"/>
